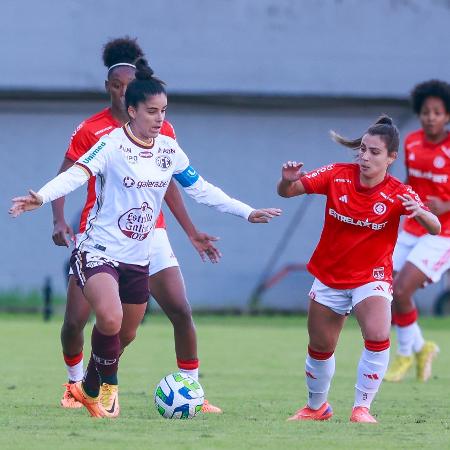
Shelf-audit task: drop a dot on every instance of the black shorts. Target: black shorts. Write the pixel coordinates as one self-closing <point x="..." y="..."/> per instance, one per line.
<point x="131" y="278"/>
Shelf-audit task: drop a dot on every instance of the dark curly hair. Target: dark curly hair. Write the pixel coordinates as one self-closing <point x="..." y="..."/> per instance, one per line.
<point x="431" y="88"/>
<point x="121" y="50"/>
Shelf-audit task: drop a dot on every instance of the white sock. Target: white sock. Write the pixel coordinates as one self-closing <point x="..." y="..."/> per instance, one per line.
<point x="318" y="379"/>
<point x="193" y="373"/>
<point x="419" y="341"/>
<point x="76" y="372"/>
<point x="405" y="339"/>
<point x="371" y="369"/>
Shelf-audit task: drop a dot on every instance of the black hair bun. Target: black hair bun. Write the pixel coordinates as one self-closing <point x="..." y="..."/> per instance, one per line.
<point x="384" y="120"/>
<point x="143" y="70"/>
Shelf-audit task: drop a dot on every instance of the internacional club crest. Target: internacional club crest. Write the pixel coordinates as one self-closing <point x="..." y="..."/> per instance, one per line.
<point x="379" y="208"/>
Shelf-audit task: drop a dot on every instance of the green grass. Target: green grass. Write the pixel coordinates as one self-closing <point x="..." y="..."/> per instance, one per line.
<point x="252" y="367"/>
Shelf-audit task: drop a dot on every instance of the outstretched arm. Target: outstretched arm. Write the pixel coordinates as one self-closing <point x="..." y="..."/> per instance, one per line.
<point x="426" y="218"/>
<point x="202" y="242"/>
<point x="290" y="184"/>
<point x="60" y="186"/>
<point x="208" y="194"/>
<point x="61" y="229"/>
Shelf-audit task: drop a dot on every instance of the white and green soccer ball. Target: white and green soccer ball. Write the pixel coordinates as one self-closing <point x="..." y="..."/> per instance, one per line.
<point x="178" y="396"/>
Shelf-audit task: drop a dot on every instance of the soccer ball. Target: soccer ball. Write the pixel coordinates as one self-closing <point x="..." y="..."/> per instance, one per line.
<point x="178" y="396"/>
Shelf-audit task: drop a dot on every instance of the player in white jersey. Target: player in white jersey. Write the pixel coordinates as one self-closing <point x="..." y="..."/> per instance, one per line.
<point x="133" y="166"/>
<point x="165" y="279"/>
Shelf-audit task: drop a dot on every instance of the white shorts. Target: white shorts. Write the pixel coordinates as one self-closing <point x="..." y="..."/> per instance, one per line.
<point x="341" y="301"/>
<point x="430" y="254"/>
<point x="161" y="255"/>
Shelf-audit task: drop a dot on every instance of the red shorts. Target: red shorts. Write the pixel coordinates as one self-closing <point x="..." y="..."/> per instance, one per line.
<point x="131" y="278"/>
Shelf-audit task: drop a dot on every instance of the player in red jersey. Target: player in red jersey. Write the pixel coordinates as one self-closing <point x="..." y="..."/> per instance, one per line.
<point x="418" y="257"/>
<point x="166" y="282"/>
<point x="352" y="263"/>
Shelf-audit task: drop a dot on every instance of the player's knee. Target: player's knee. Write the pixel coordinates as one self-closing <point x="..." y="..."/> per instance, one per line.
<point x="181" y="315"/>
<point x="109" y="324"/>
<point x="402" y="293"/>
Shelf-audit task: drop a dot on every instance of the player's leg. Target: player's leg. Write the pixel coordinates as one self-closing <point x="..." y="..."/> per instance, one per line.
<point x="409" y="335"/>
<point x="324" y="327"/>
<point x="427" y="262"/>
<point x="374" y="317"/>
<point x="75" y="318"/>
<point x="167" y="288"/>
<point x="403" y="360"/>
<point x="101" y="290"/>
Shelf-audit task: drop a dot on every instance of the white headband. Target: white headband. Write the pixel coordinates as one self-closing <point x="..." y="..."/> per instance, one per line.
<point x="121" y="64"/>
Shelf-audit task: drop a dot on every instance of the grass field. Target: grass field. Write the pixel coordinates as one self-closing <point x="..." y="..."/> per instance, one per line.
<point x="252" y="367"/>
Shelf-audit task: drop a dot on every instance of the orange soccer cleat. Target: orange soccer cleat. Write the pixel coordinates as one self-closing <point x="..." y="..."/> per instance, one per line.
<point x="90" y="403"/>
<point x="323" y="413"/>
<point x="109" y="400"/>
<point x="211" y="409"/>
<point x="361" y="414"/>
<point x="68" y="400"/>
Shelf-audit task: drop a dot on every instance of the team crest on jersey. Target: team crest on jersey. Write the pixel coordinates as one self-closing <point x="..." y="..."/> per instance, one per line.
<point x="439" y="162"/>
<point x="378" y="273"/>
<point x="164" y="162"/>
<point x="128" y="182"/>
<point x="379" y="208"/>
<point x="136" y="223"/>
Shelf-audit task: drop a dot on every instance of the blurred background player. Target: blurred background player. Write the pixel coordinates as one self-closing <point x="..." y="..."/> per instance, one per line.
<point x="420" y="258"/>
<point x="352" y="262"/>
<point x="166" y="281"/>
<point x="112" y="255"/>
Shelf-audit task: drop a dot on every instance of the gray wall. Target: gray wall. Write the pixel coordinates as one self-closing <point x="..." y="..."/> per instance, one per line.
<point x="325" y="47"/>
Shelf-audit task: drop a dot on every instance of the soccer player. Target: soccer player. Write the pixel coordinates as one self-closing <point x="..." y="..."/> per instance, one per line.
<point x="111" y="257"/>
<point x="352" y="262"/>
<point x="420" y="258"/>
<point x="166" y="281"/>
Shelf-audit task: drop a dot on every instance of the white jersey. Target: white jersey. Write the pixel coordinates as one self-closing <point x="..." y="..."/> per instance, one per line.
<point x="131" y="180"/>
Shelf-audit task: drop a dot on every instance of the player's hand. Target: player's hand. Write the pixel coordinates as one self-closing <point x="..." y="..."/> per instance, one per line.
<point x="291" y="171"/>
<point x="410" y="205"/>
<point x="203" y="243"/>
<point x="26" y="203"/>
<point x="263" y="215"/>
<point x="61" y="232"/>
<point x="436" y="205"/>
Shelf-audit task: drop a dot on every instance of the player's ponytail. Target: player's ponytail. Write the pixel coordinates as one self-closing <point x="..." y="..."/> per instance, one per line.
<point x="145" y="85"/>
<point x="383" y="127"/>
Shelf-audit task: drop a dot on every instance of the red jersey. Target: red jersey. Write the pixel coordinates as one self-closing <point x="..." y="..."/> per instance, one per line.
<point x="85" y="136"/>
<point x="360" y="229"/>
<point x="428" y="172"/>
